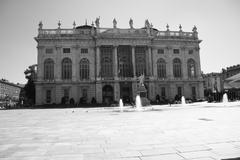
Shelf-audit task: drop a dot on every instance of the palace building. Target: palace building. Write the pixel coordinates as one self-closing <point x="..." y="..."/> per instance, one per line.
<point x="88" y="63"/>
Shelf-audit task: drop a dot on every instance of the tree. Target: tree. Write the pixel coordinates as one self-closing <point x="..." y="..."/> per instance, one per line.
<point x="29" y="88"/>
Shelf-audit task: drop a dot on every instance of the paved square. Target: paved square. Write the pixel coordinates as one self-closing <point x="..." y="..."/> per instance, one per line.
<point x="177" y="133"/>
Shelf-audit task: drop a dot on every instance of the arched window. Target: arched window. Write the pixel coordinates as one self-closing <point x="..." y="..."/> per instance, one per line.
<point x="84" y="69"/>
<point x="191" y="68"/>
<point x="177" y="68"/>
<point x="66" y="69"/>
<point x="161" y="68"/>
<point x="48" y="69"/>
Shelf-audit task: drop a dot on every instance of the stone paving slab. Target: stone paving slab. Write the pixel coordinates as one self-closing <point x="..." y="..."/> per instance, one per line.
<point x="190" y="132"/>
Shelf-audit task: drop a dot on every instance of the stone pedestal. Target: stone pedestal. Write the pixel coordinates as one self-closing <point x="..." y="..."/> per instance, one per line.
<point x="142" y="91"/>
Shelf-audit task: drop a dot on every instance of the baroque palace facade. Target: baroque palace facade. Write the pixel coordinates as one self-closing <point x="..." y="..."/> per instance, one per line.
<point x="89" y="63"/>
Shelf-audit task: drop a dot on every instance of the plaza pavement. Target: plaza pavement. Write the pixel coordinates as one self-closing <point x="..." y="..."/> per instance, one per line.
<point x="199" y="132"/>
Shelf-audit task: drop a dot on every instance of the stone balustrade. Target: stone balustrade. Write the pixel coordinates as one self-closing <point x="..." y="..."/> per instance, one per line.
<point x="116" y="31"/>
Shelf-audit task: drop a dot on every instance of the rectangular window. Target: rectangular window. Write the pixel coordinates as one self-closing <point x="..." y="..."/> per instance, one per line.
<point x="84" y="50"/>
<point x="176" y="51"/>
<point x="49" y="50"/>
<point x="194" y="92"/>
<point x="66" y="50"/>
<point x="163" y="92"/>
<point x="48" y="96"/>
<point x="84" y="92"/>
<point x="160" y="51"/>
<point x="179" y="91"/>
<point x="190" y="51"/>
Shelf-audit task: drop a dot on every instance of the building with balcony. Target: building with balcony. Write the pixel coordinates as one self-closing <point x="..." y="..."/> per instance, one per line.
<point x="89" y="63"/>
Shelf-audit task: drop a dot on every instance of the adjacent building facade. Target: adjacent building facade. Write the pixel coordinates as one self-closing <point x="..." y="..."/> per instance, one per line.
<point x="89" y="63"/>
<point x="9" y="90"/>
<point x="213" y="82"/>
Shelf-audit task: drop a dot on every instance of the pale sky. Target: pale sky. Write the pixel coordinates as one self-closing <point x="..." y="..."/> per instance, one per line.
<point x="217" y="21"/>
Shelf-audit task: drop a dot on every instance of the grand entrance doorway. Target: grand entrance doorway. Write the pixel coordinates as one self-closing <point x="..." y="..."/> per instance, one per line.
<point x="126" y="92"/>
<point x="108" y="94"/>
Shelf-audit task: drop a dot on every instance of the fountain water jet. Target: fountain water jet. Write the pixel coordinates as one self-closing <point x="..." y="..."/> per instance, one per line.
<point x="121" y="105"/>
<point x="183" y="102"/>
<point x="138" y="103"/>
<point x="225" y="98"/>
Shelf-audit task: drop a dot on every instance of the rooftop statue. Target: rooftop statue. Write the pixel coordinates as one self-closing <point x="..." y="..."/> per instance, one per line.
<point x="114" y="23"/>
<point x="97" y="22"/>
<point x="147" y="24"/>
<point x="131" y="23"/>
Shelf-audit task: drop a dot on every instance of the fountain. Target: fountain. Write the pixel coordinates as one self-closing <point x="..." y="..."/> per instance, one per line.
<point x="121" y="105"/>
<point x="138" y="103"/>
<point x="225" y="98"/>
<point x="183" y="102"/>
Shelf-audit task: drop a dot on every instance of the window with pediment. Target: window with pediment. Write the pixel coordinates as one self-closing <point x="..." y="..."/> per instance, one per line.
<point x="84" y="69"/>
<point x="161" y="68"/>
<point x="177" y="68"/>
<point x="48" y="69"/>
<point x="66" y="69"/>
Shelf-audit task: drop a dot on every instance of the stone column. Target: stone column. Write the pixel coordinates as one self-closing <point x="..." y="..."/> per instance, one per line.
<point x="134" y="89"/>
<point x="98" y="63"/>
<point x="99" y="92"/>
<point x="133" y="61"/>
<point x="115" y="62"/>
<point x="149" y="60"/>
<point x="116" y="91"/>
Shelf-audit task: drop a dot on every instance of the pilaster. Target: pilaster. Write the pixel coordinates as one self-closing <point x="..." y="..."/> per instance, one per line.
<point x="116" y="91"/>
<point x="115" y="62"/>
<point x="58" y="63"/>
<point x="134" y="90"/>
<point x="98" y="62"/>
<point x="200" y="90"/>
<point x="40" y="70"/>
<point x="149" y="59"/>
<point x="99" y="92"/>
<point x="183" y="52"/>
<point x="169" y="65"/>
<point x="133" y="61"/>
<point x="38" y="99"/>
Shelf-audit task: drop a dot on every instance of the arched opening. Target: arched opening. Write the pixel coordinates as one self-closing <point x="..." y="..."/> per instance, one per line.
<point x="177" y="68"/>
<point x="108" y="94"/>
<point x="161" y="68"/>
<point x="84" y="69"/>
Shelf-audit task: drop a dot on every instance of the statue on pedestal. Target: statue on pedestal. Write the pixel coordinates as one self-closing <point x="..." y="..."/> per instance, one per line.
<point x="114" y="23"/>
<point x="141" y="80"/>
<point x="147" y="24"/>
<point x="97" y="22"/>
<point x="131" y="23"/>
